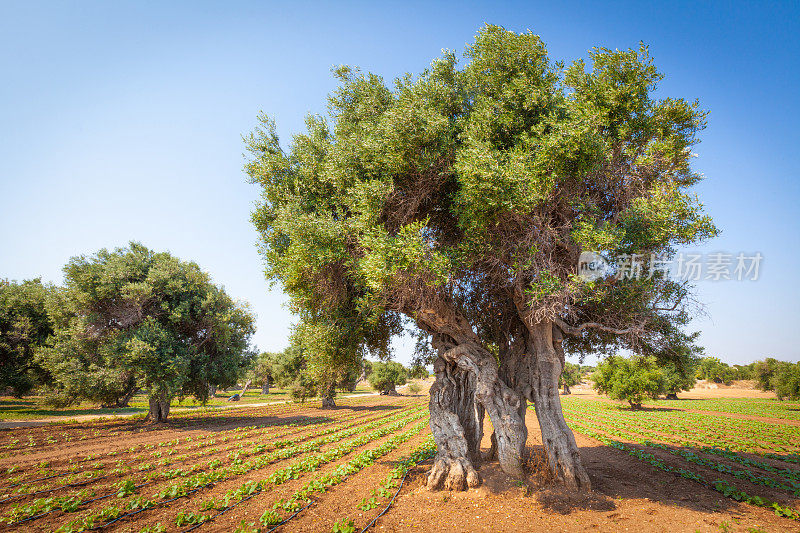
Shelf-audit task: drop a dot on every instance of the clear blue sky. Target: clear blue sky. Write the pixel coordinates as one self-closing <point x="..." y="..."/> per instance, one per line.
<point x="123" y="120"/>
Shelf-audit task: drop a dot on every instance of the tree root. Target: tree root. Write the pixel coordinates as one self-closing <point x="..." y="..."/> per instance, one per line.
<point x="455" y="473"/>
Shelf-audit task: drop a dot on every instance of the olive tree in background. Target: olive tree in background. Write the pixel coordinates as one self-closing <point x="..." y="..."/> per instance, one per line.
<point x="570" y="376"/>
<point x="458" y="202"/>
<point x="630" y="379"/>
<point x="386" y="376"/>
<point x="24" y="327"/>
<point x="134" y="319"/>
<point x="779" y="376"/>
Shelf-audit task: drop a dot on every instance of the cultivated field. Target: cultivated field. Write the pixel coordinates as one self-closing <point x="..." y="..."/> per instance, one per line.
<point x="710" y="462"/>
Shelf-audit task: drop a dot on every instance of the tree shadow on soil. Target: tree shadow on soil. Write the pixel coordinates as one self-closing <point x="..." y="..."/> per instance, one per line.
<point x="369" y="408"/>
<point x="228" y="422"/>
<point x="615" y="476"/>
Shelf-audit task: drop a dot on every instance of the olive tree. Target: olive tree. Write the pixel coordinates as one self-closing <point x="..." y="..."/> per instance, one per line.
<point x="629" y="379"/>
<point x="570" y="376"/>
<point x="386" y="376"/>
<point x="677" y="377"/>
<point x="262" y="370"/>
<point x="712" y="369"/>
<point x="24" y="327"/>
<point x="457" y="203"/>
<point x="133" y="319"/>
<point x="779" y="376"/>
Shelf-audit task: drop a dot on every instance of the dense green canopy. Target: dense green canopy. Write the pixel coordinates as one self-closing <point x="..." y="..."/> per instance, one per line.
<point x="24" y="326"/>
<point x="133" y="318"/>
<point x="385" y="376"/>
<point x="471" y="190"/>
<point x="631" y="379"/>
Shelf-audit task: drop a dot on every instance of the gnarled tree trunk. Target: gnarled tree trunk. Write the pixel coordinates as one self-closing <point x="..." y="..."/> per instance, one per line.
<point x="566" y="390"/>
<point x="469" y="381"/>
<point x="159" y="408"/>
<point x="328" y="397"/>
<point x="456" y="424"/>
<point x="125" y="400"/>
<point x="265" y="387"/>
<point x="546" y="362"/>
<point x="467" y="385"/>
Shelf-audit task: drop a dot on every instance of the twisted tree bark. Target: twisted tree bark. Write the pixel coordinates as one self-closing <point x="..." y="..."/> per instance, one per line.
<point x="546" y="364"/>
<point x="467" y="385"/>
<point x="470" y="381"/>
<point x="456" y="424"/>
<point x="159" y="408"/>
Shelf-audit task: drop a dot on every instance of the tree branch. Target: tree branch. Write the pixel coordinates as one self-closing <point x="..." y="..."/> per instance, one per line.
<point x="576" y="330"/>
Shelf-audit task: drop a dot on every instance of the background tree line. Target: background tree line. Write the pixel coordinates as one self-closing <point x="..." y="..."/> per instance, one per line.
<point x="291" y="369"/>
<point x="133" y="320"/>
<point x="636" y="378"/>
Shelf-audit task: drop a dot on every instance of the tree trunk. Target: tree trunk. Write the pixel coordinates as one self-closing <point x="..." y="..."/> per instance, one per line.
<point x="389" y="391"/>
<point x="328" y="398"/>
<point x="159" y="408"/>
<point x="672" y="396"/>
<point x="265" y="387"/>
<point x="212" y="391"/>
<point x="457" y="427"/>
<point x="467" y="385"/>
<point x="244" y="389"/>
<point x="125" y="400"/>
<point x="566" y="389"/>
<point x="328" y="402"/>
<point x="546" y="364"/>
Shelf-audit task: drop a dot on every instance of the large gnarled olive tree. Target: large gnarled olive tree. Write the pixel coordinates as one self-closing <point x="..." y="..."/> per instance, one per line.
<point x="460" y="201"/>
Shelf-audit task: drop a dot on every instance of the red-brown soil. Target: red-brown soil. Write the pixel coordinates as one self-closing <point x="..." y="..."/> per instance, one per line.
<point x="627" y="495"/>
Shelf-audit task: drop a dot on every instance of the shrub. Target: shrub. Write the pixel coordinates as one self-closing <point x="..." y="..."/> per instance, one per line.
<point x="302" y="389"/>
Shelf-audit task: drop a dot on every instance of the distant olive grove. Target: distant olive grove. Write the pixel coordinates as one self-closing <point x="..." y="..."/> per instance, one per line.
<point x="133" y="320"/>
<point x="635" y="379"/>
<point x="291" y="369"/>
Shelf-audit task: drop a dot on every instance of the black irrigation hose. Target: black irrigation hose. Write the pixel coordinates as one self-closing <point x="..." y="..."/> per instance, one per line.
<point x="372" y="523"/>
<point x="157" y="504"/>
<point x="219" y="513"/>
<point x="295" y="514"/>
